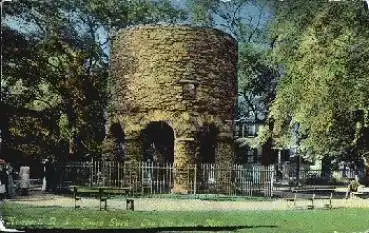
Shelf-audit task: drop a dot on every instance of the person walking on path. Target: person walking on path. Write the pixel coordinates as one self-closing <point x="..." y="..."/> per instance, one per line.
<point x="24" y="174"/>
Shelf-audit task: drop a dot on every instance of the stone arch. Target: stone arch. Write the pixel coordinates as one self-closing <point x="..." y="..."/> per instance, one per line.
<point x="116" y="131"/>
<point x="207" y="143"/>
<point x="117" y="134"/>
<point x="157" y="142"/>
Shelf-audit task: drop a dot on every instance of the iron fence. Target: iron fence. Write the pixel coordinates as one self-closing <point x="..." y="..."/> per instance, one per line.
<point x="155" y="178"/>
<point x="307" y="177"/>
<point x="235" y="179"/>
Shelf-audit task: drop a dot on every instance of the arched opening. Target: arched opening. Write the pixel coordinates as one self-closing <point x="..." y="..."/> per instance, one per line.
<point x="158" y="142"/>
<point x="117" y="134"/>
<point x="207" y="139"/>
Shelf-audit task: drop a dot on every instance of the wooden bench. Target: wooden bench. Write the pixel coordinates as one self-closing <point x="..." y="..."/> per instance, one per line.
<point x="76" y="198"/>
<point x="329" y="189"/>
<point x="77" y="195"/>
<point x="102" y="193"/>
<point x="292" y="200"/>
<point x="130" y="204"/>
<point x="103" y="198"/>
<point x="106" y="192"/>
<point x="312" y="200"/>
<point x="358" y="194"/>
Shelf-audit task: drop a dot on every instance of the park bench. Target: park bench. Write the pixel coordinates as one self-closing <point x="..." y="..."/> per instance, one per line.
<point x="76" y="198"/>
<point x="312" y="200"/>
<point x="326" y="205"/>
<point x="320" y="189"/>
<point x="358" y="194"/>
<point x="292" y="199"/>
<point x="101" y="193"/>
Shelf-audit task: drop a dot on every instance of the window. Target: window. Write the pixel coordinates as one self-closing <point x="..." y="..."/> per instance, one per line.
<point x="188" y="88"/>
<point x="251" y="155"/>
<point x="189" y="91"/>
<point x="250" y="130"/>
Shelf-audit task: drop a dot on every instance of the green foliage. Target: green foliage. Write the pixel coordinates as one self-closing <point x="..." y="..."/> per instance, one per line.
<point x="324" y="51"/>
<point x="55" y="82"/>
<point x="246" y="21"/>
<point x="201" y="12"/>
<point x="257" y="80"/>
<point x="54" y="88"/>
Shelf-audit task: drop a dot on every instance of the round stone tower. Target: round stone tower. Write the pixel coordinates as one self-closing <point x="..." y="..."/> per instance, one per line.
<point x="174" y="95"/>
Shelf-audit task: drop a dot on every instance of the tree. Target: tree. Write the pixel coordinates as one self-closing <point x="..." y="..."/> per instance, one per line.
<point x="63" y="69"/>
<point x="246" y="21"/>
<point x="323" y="48"/>
<point x="21" y="86"/>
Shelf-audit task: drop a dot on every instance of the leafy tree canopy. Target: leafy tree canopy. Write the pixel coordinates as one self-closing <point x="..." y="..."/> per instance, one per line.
<point x="54" y="89"/>
<point x="322" y="102"/>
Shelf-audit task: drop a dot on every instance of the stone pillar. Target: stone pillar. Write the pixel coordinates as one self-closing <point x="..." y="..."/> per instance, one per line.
<point x="132" y="157"/>
<point x="132" y="150"/>
<point x="224" y="160"/>
<point x="183" y="163"/>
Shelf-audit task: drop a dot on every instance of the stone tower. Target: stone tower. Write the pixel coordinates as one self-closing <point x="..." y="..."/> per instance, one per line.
<point x="174" y="94"/>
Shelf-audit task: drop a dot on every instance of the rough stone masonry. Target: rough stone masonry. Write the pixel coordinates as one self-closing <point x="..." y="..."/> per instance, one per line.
<point x="180" y="76"/>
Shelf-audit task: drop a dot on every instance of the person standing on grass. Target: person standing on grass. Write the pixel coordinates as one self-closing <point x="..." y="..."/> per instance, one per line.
<point x="24" y="174"/>
<point x="50" y="176"/>
<point x="10" y="173"/>
<point x="44" y="179"/>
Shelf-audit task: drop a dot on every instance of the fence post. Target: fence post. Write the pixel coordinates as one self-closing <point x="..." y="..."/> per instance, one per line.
<point x="271" y="181"/>
<point x="91" y="171"/>
<point x="229" y="179"/>
<point x="195" y="180"/>
<point x="141" y="165"/>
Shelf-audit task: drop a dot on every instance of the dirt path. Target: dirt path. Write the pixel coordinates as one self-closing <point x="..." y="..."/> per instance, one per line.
<point x="161" y="204"/>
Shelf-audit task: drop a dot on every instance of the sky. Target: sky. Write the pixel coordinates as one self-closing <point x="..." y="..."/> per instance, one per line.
<point x="246" y="13"/>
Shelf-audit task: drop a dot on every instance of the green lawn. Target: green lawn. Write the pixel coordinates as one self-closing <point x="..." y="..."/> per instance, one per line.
<point x="336" y="220"/>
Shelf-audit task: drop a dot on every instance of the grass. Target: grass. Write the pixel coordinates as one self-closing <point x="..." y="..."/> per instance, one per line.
<point x="336" y="220"/>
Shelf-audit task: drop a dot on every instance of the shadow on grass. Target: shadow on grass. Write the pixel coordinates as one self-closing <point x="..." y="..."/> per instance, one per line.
<point x="152" y="230"/>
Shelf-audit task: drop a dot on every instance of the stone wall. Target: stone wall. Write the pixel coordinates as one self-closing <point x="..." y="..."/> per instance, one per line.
<point x="181" y="75"/>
